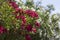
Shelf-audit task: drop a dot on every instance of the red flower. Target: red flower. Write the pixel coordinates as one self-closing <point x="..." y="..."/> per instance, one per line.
<point x="27" y="37"/>
<point x="29" y="28"/>
<point x="22" y="26"/>
<point x="18" y="17"/>
<point x="34" y="30"/>
<point x="13" y="4"/>
<point x="17" y="9"/>
<point x="32" y="13"/>
<point x="23" y="19"/>
<point x="37" y="24"/>
<point x="2" y="29"/>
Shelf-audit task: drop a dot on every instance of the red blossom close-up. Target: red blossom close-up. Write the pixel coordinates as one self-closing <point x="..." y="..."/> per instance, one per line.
<point x="31" y="13"/>
<point x="28" y="37"/>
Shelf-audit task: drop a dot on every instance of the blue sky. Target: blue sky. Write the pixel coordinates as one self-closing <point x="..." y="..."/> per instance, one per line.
<point x="56" y="4"/>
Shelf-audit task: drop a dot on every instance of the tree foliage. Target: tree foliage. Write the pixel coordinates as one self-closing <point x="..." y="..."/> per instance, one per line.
<point x="13" y="22"/>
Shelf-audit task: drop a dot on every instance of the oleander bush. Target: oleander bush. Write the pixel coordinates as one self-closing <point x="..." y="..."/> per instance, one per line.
<point x="19" y="21"/>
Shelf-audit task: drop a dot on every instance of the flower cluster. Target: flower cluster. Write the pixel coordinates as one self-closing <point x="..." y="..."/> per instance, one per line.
<point x="27" y="37"/>
<point x="2" y="30"/>
<point x="32" y="13"/>
<point x="13" y="4"/>
<point x="27" y="24"/>
<point x="19" y="13"/>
